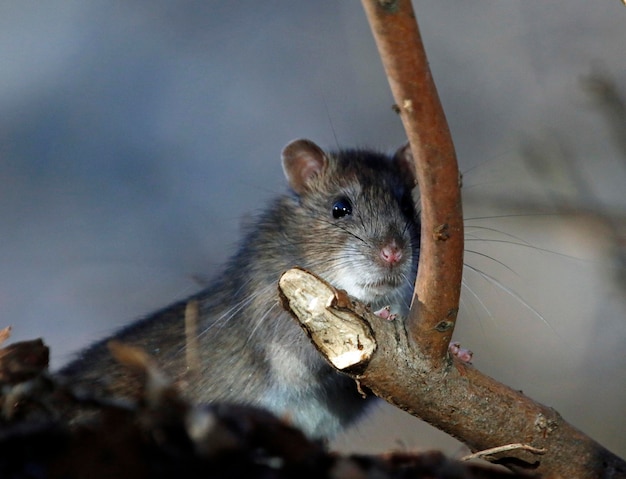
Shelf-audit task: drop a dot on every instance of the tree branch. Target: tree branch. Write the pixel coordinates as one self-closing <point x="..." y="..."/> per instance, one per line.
<point x="438" y="285"/>
<point x="407" y="364"/>
<point x="457" y="399"/>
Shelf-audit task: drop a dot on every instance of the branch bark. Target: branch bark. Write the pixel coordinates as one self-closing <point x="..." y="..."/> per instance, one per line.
<point x="438" y="285"/>
<point x="457" y="398"/>
<point x="435" y="303"/>
<point x="408" y="364"/>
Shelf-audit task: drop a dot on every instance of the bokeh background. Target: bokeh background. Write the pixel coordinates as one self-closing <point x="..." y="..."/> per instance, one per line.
<point x="136" y="136"/>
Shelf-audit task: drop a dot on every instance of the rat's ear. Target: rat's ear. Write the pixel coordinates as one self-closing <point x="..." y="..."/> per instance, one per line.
<point x="403" y="159"/>
<point x="302" y="161"/>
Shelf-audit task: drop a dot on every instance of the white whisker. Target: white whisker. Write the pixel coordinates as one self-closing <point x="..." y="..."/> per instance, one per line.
<point x="512" y="293"/>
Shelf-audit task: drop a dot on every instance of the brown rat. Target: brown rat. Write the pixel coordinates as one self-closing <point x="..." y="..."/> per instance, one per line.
<point x="350" y="218"/>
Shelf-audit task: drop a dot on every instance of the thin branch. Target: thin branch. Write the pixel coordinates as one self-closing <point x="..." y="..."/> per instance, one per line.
<point x="192" y="342"/>
<point x="438" y="285"/>
<point x="499" y="449"/>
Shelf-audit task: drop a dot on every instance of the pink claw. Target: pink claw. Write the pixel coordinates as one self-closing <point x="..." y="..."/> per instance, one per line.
<point x="385" y="313"/>
<point x="464" y="355"/>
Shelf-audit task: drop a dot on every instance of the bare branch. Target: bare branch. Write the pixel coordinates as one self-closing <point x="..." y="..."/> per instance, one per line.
<point x="438" y="286"/>
<point x="407" y="366"/>
<point x="457" y="399"/>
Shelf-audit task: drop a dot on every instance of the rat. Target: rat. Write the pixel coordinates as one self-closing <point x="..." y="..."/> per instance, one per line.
<point x="350" y="217"/>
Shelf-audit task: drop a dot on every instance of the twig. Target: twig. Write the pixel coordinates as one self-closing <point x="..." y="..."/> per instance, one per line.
<point x="508" y="447"/>
<point x="5" y="333"/>
<point x="191" y="335"/>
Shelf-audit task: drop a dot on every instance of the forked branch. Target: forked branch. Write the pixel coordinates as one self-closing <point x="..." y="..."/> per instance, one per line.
<point x="407" y="363"/>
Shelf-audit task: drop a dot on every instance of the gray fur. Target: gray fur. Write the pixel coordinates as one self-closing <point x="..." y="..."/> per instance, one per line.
<point x="252" y="352"/>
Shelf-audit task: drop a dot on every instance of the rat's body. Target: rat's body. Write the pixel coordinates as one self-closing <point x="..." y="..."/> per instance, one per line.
<point x="350" y="219"/>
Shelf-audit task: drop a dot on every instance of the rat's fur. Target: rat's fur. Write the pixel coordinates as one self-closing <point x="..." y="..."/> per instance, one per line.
<point x="253" y="352"/>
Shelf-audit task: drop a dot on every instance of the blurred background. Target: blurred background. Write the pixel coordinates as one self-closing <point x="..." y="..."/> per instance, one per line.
<point x="136" y="136"/>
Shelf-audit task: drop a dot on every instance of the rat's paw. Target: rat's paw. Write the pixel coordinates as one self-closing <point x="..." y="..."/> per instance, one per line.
<point x="464" y="355"/>
<point x="386" y="313"/>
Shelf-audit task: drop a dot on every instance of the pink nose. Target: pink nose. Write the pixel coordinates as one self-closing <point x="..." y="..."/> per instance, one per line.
<point x="390" y="253"/>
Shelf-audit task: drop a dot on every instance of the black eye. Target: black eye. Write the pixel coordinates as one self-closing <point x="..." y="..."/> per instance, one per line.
<point x="407" y="206"/>
<point x="342" y="207"/>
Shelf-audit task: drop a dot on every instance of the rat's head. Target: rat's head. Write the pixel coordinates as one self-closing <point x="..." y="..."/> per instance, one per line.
<point x="357" y="215"/>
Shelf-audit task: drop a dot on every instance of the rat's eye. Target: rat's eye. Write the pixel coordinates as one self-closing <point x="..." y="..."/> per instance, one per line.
<point x="342" y="207"/>
<point x="407" y="206"/>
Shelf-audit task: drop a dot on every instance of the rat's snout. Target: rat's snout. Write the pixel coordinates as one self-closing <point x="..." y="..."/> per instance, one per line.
<point x="390" y="252"/>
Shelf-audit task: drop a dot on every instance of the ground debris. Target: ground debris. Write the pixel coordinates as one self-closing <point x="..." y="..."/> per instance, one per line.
<point x="163" y="436"/>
